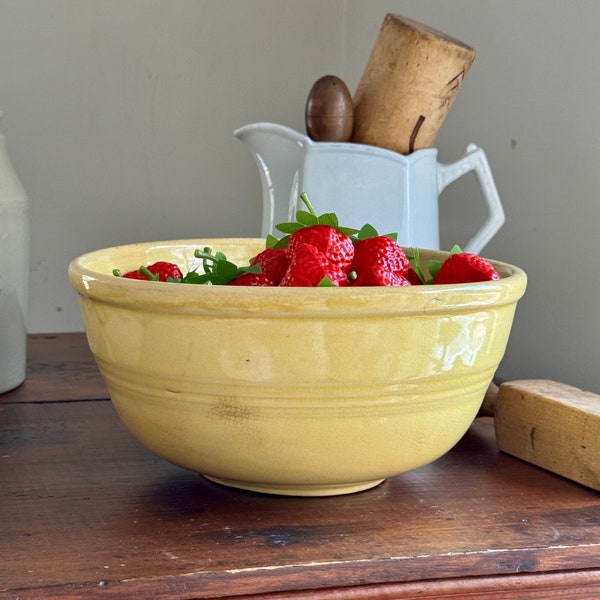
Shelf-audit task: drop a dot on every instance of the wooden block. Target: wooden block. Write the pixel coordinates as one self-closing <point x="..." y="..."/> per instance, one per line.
<point x="552" y="425"/>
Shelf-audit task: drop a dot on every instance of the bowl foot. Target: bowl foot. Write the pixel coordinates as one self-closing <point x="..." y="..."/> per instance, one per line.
<point x="297" y="489"/>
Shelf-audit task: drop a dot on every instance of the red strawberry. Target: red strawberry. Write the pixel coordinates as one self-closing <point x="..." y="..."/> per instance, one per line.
<point x="378" y="275"/>
<point x="165" y="270"/>
<point x="379" y="250"/>
<point x="273" y="262"/>
<point x="463" y="267"/>
<point x="309" y="266"/>
<point x="161" y="269"/>
<point x="253" y="279"/>
<point x="412" y="277"/>
<point x="135" y="275"/>
<point x="335" y="245"/>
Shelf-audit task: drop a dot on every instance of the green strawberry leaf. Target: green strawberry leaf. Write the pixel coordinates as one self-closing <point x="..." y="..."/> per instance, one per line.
<point x="367" y="231"/>
<point x="198" y="279"/>
<point x="434" y="266"/>
<point x="224" y="271"/>
<point x="289" y="227"/>
<point x="325" y="282"/>
<point x="328" y="219"/>
<point x="306" y="219"/>
<point x="415" y="263"/>
<point x="249" y="269"/>
<point x="282" y="243"/>
<point x="349" y="231"/>
<point x="271" y="241"/>
<point x="217" y="269"/>
<point x="193" y="277"/>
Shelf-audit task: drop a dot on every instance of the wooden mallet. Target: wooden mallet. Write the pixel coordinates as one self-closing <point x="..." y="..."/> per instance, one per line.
<point x="408" y="85"/>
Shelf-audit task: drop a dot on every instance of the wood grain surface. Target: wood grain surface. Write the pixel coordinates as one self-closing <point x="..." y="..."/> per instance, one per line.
<point x="87" y="512"/>
<point x="60" y="367"/>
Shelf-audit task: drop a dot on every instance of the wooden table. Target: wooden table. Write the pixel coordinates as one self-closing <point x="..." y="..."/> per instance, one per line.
<point x="87" y="512"/>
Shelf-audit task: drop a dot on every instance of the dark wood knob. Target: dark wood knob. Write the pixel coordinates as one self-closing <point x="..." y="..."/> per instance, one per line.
<point x="329" y="112"/>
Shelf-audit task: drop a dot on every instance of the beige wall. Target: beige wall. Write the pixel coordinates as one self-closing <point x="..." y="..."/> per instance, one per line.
<point x="119" y="117"/>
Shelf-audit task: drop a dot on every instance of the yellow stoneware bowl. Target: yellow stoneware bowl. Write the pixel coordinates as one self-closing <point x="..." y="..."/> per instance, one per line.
<point x="298" y="391"/>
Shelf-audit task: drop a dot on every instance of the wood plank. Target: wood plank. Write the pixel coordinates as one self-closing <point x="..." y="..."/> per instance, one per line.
<point x="571" y="585"/>
<point x="60" y="367"/>
<point x="86" y="510"/>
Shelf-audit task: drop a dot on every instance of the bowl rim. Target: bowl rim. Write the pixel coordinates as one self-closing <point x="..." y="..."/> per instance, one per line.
<point x="100" y="284"/>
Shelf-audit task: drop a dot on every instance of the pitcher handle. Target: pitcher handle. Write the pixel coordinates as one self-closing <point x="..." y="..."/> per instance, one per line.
<point x="476" y="160"/>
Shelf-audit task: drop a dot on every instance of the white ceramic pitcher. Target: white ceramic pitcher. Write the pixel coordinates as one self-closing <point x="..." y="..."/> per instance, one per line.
<point x="365" y="184"/>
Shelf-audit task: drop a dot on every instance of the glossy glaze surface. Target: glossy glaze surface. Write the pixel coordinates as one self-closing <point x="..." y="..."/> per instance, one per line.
<point x="306" y="391"/>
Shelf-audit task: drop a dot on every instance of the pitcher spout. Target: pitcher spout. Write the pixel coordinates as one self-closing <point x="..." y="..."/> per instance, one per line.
<point x="279" y="153"/>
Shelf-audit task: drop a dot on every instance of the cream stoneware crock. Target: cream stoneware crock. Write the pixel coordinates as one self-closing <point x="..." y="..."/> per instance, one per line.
<point x="298" y="391"/>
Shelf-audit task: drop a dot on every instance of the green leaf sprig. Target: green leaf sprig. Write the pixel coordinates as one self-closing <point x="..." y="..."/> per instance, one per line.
<point x="433" y="266"/>
<point x="217" y="269"/>
<point x="309" y="217"/>
<point x="306" y="218"/>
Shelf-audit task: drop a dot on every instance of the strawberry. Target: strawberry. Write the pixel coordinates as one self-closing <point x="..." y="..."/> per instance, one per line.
<point x="379" y="250"/>
<point x="317" y="251"/>
<point x="253" y="279"/>
<point x="273" y="263"/>
<point x="335" y="245"/>
<point x="463" y="267"/>
<point x="309" y="267"/>
<point x="165" y="270"/>
<point x="159" y="271"/>
<point x="378" y="275"/>
<point x="413" y="277"/>
<point x="134" y="275"/>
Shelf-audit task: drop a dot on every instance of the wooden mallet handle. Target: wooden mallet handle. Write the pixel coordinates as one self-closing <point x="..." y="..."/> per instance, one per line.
<point x="408" y="85"/>
<point x="490" y="400"/>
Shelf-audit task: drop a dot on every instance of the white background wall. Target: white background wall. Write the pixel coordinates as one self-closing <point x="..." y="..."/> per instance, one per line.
<point x="119" y="117"/>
